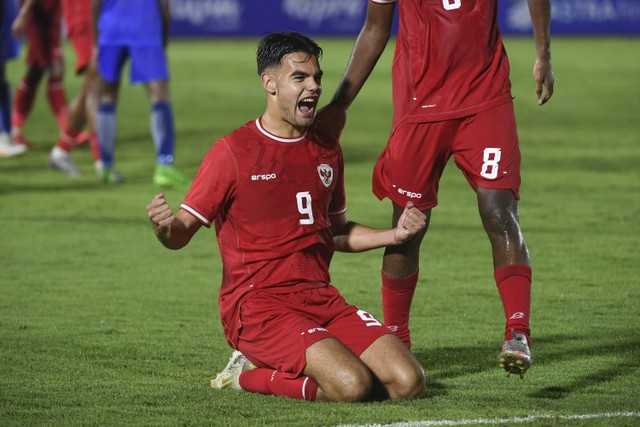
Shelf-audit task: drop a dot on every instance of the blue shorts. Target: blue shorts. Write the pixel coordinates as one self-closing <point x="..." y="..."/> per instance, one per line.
<point x="9" y="48"/>
<point x="148" y="63"/>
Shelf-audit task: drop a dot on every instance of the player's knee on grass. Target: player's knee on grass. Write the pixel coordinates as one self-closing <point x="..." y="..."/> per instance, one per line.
<point x="408" y="381"/>
<point x="398" y="370"/>
<point x="347" y="382"/>
<point x="353" y="385"/>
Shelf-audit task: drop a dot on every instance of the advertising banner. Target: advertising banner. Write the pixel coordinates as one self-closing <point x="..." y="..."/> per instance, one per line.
<point x="239" y="18"/>
<point x="575" y="17"/>
<point x="258" y="17"/>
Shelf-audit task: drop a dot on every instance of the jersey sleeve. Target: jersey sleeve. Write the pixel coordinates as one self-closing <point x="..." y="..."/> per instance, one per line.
<point x="384" y="1"/>
<point x="214" y="185"/>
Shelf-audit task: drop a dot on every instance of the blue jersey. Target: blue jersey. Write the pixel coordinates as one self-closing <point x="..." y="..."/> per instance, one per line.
<point x="8" y="46"/>
<point x="130" y="23"/>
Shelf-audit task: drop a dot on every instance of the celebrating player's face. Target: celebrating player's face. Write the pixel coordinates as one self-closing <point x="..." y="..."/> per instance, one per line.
<point x="298" y="89"/>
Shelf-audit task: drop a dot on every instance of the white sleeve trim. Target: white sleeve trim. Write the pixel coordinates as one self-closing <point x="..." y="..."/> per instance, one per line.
<point x="196" y="214"/>
<point x="341" y="211"/>
<point x="384" y="1"/>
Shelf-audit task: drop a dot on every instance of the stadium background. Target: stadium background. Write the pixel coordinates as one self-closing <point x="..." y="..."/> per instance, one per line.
<point x="205" y="18"/>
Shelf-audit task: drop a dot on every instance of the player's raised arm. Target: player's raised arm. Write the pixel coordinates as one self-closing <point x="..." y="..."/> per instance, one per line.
<point x="349" y="236"/>
<point x="173" y="231"/>
<point x="540" y="11"/>
<point x="369" y="45"/>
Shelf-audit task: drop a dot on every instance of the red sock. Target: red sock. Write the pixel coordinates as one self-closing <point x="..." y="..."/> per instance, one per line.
<point x="22" y="104"/>
<point x="95" y="148"/>
<point x="514" y="285"/>
<point x="270" y="381"/>
<point x="57" y="100"/>
<point x="397" y="295"/>
<point x="67" y="139"/>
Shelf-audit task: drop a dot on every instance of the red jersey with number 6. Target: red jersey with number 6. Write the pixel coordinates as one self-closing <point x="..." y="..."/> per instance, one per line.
<point x="270" y="199"/>
<point x="449" y="61"/>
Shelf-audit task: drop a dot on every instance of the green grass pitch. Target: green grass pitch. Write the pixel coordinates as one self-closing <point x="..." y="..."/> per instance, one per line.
<point x="100" y="325"/>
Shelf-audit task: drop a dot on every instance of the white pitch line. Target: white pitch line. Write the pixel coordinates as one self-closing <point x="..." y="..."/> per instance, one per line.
<point x="526" y="419"/>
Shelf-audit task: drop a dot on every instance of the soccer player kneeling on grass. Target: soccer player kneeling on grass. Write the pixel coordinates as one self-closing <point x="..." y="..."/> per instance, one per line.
<point x="274" y="189"/>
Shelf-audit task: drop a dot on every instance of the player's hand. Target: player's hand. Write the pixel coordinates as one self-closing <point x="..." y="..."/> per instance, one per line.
<point x="160" y="214"/>
<point x="410" y="223"/>
<point x="331" y="119"/>
<point x="543" y="75"/>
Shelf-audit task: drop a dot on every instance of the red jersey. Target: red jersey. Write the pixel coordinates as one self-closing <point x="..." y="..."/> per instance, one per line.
<point x="270" y="200"/>
<point x="449" y="60"/>
<point x="77" y="15"/>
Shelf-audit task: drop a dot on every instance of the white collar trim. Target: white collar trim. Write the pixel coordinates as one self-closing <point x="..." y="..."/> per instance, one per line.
<point x="278" y="138"/>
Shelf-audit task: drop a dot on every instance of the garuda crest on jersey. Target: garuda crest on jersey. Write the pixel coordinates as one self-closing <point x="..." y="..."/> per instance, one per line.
<point x="326" y="174"/>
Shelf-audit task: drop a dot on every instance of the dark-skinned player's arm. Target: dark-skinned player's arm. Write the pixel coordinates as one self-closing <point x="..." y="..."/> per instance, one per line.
<point x="540" y="11"/>
<point x="369" y="45"/>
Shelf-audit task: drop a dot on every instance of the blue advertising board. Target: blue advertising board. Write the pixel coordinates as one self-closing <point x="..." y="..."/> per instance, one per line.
<point x="206" y="18"/>
<point x="575" y="17"/>
<point x="258" y="17"/>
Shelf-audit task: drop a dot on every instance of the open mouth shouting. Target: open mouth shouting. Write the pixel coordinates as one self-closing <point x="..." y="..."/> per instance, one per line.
<point x="307" y="106"/>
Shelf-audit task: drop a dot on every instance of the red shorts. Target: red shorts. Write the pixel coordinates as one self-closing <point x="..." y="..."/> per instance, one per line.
<point x="43" y="34"/>
<point x="484" y="146"/>
<point x="77" y="16"/>
<point x="278" y="328"/>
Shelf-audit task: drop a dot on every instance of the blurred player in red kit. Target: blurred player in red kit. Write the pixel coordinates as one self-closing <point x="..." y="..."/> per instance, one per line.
<point x="274" y="189"/>
<point x="39" y="21"/>
<point x="83" y="108"/>
<point x="452" y="97"/>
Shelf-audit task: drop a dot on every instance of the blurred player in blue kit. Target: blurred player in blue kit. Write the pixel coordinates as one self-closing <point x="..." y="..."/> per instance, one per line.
<point x="8" y="50"/>
<point x="136" y="30"/>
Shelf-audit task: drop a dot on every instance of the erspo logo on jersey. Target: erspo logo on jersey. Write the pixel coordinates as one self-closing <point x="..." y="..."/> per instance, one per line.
<point x="410" y="194"/>
<point x="205" y="13"/>
<point x="313" y="330"/>
<point x="318" y="13"/>
<point x="263" y="177"/>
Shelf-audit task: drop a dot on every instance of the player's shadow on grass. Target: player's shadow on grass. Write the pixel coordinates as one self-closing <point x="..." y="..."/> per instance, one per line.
<point x="564" y="347"/>
<point x="444" y="362"/>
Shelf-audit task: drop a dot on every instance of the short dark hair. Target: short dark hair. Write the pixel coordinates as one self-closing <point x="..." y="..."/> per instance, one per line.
<point x="275" y="46"/>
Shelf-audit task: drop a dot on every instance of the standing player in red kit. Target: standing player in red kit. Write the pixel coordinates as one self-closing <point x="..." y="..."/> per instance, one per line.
<point x="39" y="21"/>
<point x="274" y="189"/>
<point x="452" y="96"/>
<point x="83" y="108"/>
